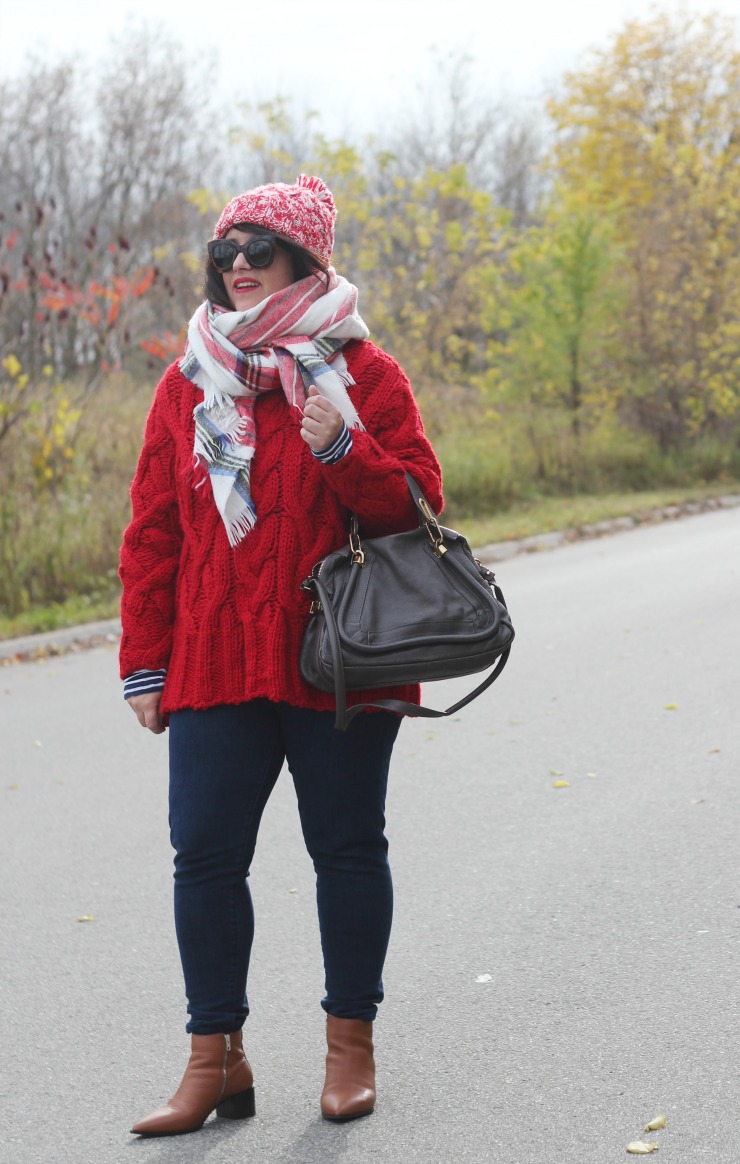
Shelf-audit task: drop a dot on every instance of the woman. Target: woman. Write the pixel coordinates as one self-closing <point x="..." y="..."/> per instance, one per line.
<point x="280" y="420"/>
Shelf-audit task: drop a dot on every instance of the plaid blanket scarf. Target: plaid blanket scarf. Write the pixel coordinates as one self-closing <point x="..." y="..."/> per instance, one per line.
<point x="292" y="339"/>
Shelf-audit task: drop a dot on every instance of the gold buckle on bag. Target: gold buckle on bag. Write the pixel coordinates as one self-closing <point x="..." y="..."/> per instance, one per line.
<point x="438" y="541"/>
<point x="355" y="545"/>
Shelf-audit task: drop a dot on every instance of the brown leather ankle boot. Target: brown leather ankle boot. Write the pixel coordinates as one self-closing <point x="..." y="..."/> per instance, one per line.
<point x="349" y="1090"/>
<point x="218" y="1077"/>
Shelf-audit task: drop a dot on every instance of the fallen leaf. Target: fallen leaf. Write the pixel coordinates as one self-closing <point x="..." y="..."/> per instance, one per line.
<point x="555" y="772"/>
<point x="640" y="1148"/>
<point x="671" y="706"/>
<point x="515" y="721"/>
<point x="484" y="978"/>
<point x="85" y="917"/>
<point x="713" y="751"/>
<point x="14" y="787"/>
<point x="38" y="743"/>
<point x="697" y="801"/>
<point x="561" y="783"/>
<point x="292" y="891"/>
<point x="659" y="1121"/>
<point x="591" y="775"/>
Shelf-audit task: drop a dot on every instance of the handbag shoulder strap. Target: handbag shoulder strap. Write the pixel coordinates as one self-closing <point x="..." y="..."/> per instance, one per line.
<point x="418" y="499"/>
<point x="415" y="710"/>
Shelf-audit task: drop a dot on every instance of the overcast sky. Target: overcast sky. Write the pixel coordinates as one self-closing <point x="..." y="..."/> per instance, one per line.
<point x="354" y="61"/>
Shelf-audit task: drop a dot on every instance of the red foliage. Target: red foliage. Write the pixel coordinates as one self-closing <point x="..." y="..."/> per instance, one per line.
<point x="167" y="346"/>
<point x="143" y="284"/>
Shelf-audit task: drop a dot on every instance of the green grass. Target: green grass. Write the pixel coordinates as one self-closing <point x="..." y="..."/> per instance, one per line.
<point x="525" y="518"/>
<point x="74" y="612"/>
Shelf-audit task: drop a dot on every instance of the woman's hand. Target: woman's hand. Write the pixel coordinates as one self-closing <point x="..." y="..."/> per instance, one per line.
<point x="146" y="709"/>
<point x="322" y="422"/>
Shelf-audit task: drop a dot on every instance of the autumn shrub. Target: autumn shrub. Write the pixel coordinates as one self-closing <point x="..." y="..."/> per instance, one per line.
<point x="479" y="472"/>
<point x="59" y="538"/>
<point x="494" y="461"/>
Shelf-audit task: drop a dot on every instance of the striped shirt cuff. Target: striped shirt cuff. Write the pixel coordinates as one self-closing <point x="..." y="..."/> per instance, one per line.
<point x="336" y="450"/>
<point x="142" y="682"/>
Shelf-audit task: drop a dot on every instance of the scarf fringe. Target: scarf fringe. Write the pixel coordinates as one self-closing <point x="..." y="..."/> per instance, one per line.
<point x="239" y="526"/>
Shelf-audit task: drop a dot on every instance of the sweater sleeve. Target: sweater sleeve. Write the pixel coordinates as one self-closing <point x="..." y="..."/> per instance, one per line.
<point x="370" y="479"/>
<point x="151" y="548"/>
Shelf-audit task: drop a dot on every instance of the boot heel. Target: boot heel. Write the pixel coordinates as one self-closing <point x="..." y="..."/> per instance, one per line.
<point x="239" y="1107"/>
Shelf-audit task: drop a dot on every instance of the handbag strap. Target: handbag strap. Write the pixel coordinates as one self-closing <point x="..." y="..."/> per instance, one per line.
<point x="427" y="517"/>
<point x="418" y="497"/>
<point x="345" y="715"/>
<point x="415" y="710"/>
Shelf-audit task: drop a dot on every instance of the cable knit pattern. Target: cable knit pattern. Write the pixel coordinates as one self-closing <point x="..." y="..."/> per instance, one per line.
<point x="227" y="623"/>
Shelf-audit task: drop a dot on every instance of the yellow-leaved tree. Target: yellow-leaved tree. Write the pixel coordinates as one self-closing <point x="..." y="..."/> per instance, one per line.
<point x="651" y="126"/>
<point x="553" y="311"/>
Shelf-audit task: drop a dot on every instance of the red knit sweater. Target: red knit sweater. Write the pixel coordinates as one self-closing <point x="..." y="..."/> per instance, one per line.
<point x="227" y="623"/>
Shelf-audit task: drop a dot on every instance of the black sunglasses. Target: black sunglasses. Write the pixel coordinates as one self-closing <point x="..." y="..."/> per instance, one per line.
<point x="259" y="251"/>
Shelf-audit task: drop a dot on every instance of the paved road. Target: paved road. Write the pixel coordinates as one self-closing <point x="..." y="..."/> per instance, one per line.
<point x="564" y="962"/>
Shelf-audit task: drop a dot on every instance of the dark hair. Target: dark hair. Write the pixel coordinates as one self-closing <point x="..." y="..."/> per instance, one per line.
<point x="304" y="264"/>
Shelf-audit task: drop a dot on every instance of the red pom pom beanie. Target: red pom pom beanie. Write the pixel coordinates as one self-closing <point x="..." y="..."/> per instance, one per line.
<point x="303" y="213"/>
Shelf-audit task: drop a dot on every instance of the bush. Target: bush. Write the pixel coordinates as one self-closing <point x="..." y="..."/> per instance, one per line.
<point x="491" y="462"/>
<point x="61" y="540"/>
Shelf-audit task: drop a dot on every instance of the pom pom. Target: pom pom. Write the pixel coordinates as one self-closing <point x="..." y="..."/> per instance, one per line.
<point x="316" y="186"/>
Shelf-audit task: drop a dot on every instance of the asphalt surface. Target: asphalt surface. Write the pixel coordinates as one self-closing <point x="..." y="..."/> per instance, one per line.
<point x="564" y="960"/>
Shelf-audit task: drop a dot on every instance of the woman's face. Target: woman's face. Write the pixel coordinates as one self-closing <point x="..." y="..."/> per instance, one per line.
<point x="246" y="286"/>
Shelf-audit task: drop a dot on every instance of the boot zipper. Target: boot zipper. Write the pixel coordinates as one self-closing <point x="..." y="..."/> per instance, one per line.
<point x="227" y="1048"/>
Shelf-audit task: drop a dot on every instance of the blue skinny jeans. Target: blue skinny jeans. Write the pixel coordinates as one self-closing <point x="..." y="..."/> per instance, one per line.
<point x="224" y="763"/>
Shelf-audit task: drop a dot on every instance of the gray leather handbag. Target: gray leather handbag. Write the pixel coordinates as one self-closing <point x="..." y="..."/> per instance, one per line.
<point x="406" y="608"/>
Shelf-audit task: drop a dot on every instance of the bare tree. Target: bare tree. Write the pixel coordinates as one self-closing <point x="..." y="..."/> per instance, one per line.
<point x="268" y="141"/>
<point x="93" y="185"/>
<point x="456" y="120"/>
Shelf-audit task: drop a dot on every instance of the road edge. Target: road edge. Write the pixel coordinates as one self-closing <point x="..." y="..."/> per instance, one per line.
<point x="69" y="640"/>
